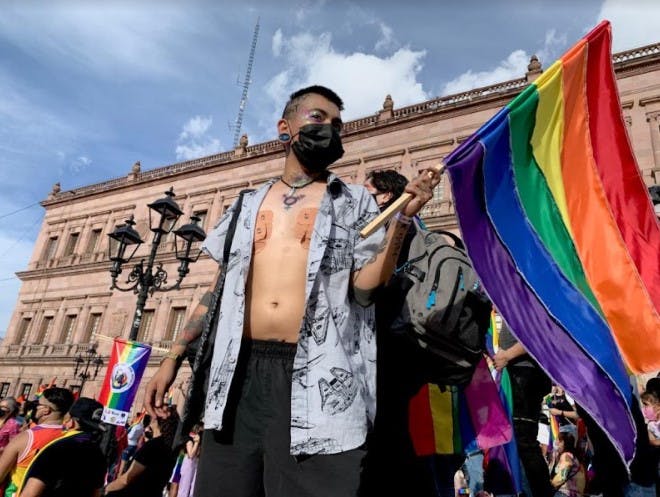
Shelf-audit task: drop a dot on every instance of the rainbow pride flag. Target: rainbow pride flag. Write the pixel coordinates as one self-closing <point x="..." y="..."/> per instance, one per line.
<point x="558" y="224"/>
<point x="554" y="422"/>
<point x="449" y="419"/>
<point x="125" y="369"/>
<point x="502" y="462"/>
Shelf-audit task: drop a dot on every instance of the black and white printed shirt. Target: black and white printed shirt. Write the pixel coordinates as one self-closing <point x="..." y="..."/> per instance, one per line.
<point x="333" y="394"/>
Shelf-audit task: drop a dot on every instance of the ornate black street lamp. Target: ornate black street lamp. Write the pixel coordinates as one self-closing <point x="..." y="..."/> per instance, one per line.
<point x="143" y="280"/>
<point x="83" y="363"/>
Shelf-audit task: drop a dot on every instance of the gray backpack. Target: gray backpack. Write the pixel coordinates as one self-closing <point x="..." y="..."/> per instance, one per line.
<point x="444" y="311"/>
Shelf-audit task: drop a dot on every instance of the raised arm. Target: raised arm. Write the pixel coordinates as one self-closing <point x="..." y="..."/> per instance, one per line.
<point x="169" y="366"/>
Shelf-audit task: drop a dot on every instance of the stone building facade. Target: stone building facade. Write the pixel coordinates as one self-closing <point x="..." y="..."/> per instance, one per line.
<point x="65" y="304"/>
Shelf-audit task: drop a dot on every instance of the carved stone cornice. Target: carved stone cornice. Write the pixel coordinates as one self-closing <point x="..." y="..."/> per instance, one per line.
<point x="384" y="155"/>
<point x="643" y="102"/>
<point x="426" y="146"/>
<point x="639" y="60"/>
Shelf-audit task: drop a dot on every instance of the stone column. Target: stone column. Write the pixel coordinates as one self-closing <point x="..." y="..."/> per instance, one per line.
<point x="653" y="118"/>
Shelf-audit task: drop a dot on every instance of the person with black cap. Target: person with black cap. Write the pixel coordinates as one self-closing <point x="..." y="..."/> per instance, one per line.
<point x="73" y="465"/>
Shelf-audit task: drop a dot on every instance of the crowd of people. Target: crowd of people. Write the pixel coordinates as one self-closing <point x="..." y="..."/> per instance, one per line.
<point x="56" y="446"/>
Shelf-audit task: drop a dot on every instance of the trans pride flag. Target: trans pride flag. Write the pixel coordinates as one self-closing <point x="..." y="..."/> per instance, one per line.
<point x="557" y="222"/>
<point x="127" y="364"/>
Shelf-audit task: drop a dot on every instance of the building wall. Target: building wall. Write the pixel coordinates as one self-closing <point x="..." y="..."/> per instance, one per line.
<point x="76" y="282"/>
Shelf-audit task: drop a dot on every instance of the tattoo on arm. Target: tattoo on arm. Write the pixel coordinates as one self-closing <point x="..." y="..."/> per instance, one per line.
<point x="381" y="248"/>
<point x="397" y="243"/>
<point x="195" y="324"/>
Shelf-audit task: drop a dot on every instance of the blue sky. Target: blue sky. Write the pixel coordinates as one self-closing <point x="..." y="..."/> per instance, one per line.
<point x="86" y="89"/>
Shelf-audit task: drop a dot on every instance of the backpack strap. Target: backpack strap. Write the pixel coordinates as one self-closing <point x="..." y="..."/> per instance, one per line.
<point x="458" y="243"/>
<point x="201" y="360"/>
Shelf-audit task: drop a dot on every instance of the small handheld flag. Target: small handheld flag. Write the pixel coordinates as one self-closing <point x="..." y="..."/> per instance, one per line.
<point x="127" y="364"/>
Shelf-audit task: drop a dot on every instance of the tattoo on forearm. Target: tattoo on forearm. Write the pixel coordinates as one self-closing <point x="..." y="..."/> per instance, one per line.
<point x="381" y="248"/>
<point x="397" y="243"/>
<point x="191" y="330"/>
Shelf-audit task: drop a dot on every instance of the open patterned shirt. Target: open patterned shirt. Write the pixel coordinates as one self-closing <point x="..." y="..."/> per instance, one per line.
<point x="334" y="371"/>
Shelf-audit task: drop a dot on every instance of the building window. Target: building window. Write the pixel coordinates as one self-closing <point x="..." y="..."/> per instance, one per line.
<point x="51" y="247"/>
<point x="92" y="326"/>
<point x="202" y="218"/>
<point x="71" y="244"/>
<point x="23" y="329"/>
<point x="144" y="333"/>
<point x="4" y="389"/>
<point x="68" y="328"/>
<point x="26" y="388"/>
<point x="45" y="329"/>
<point x="177" y="317"/>
<point x="93" y="241"/>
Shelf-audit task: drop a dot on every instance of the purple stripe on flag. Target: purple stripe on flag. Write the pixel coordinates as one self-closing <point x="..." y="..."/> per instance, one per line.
<point x="543" y="338"/>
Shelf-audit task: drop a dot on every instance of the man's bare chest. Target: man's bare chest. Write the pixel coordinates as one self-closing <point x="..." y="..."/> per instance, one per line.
<point x="283" y="222"/>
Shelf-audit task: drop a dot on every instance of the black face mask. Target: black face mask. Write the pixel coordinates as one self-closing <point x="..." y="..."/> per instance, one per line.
<point x="318" y="146"/>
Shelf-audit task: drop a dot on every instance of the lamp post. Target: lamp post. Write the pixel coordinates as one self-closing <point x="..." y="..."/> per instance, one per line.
<point x="144" y="279"/>
<point x="83" y="364"/>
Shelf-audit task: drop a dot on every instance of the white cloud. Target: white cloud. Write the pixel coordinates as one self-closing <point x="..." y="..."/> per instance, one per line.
<point x="194" y="140"/>
<point x="277" y="43"/>
<point x="312" y="60"/>
<point x="386" y="40"/>
<point x="196" y="127"/>
<point x="80" y="163"/>
<point x="513" y="67"/>
<point x="634" y="22"/>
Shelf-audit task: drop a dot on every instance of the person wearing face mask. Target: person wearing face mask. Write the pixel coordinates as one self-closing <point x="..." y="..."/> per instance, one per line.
<point x="72" y="465"/>
<point x="9" y="426"/>
<point x="651" y="411"/>
<point x="291" y="391"/>
<point x="19" y="453"/>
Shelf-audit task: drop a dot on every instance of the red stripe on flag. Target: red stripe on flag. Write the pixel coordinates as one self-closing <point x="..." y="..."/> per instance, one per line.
<point x="420" y="423"/>
<point x="623" y="184"/>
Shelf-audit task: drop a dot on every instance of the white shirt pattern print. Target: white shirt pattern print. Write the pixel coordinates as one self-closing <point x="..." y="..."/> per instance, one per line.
<point x="333" y="389"/>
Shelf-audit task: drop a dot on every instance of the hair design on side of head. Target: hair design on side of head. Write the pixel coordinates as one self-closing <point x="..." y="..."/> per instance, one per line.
<point x="297" y="97"/>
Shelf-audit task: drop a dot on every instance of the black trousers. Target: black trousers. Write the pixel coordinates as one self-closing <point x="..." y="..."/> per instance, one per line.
<point x="250" y="456"/>
<point x="529" y="385"/>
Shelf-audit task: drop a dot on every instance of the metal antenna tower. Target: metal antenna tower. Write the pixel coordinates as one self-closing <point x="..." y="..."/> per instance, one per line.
<point x="246" y="85"/>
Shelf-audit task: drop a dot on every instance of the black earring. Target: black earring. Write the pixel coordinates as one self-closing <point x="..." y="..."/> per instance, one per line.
<point x="284" y="137"/>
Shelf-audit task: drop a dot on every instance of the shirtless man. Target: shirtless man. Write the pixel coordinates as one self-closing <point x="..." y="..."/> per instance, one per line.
<point x="296" y="327"/>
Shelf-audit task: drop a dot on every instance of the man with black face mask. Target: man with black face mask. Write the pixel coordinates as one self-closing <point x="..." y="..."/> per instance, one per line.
<point x="292" y="379"/>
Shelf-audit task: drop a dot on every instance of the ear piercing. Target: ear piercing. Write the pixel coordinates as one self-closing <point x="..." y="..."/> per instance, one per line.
<point x="284" y="137"/>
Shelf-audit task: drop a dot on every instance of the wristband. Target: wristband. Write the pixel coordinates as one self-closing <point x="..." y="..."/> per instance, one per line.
<point x="177" y="358"/>
<point x="402" y="218"/>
